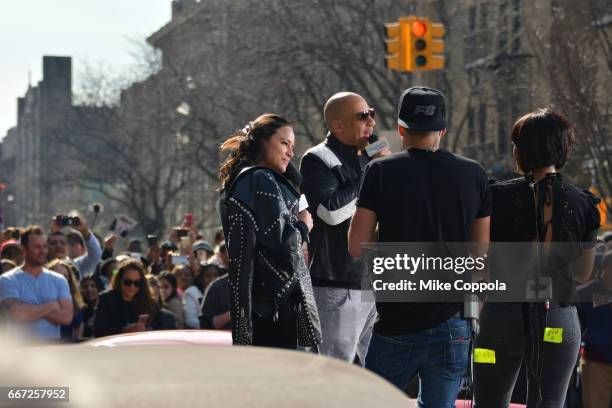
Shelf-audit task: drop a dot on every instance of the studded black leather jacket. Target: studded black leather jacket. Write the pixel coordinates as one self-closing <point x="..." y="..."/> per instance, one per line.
<point x="259" y="215"/>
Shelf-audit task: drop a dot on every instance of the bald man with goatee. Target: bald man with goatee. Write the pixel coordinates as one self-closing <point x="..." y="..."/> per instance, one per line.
<point x="332" y="171"/>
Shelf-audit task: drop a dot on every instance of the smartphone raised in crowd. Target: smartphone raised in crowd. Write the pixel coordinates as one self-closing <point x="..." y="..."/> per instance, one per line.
<point x="180" y="260"/>
<point x="182" y="232"/>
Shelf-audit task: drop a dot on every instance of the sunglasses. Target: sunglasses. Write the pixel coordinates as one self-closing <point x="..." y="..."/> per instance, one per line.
<point x="129" y="282"/>
<point x="363" y="116"/>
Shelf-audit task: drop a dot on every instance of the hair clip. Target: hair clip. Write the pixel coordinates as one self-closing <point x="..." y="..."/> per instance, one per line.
<point x="247" y="129"/>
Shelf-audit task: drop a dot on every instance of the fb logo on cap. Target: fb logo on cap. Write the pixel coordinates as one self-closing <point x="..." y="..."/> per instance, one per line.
<point x="427" y="110"/>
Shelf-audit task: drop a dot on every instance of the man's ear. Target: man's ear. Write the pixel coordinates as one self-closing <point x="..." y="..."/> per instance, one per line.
<point x="336" y="126"/>
<point x="401" y="130"/>
<point x="403" y="136"/>
<point x="442" y="133"/>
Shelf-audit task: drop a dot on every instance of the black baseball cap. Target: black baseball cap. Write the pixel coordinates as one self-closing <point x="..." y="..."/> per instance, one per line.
<point x="169" y="246"/>
<point x="422" y="109"/>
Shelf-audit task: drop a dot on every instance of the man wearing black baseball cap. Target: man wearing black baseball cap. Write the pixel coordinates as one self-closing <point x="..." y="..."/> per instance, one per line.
<point x="422" y="194"/>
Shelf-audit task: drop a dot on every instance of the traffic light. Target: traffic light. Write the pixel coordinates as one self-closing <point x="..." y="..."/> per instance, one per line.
<point x="415" y="44"/>
<point x="436" y="46"/>
<point x="417" y="47"/>
<point x="426" y="44"/>
<point x="396" y="48"/>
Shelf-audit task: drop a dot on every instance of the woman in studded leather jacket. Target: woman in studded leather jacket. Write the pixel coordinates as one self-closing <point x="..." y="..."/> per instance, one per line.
<point x="270" y="290"/>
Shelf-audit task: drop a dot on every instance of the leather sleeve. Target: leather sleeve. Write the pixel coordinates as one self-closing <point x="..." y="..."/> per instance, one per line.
<point x="330" y="196"/>
<point x="240" y="239"/>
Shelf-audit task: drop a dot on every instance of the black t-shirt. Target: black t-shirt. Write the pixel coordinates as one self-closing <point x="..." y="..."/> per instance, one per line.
<point x="423" y="196"/>
<point x="216" y="301"/>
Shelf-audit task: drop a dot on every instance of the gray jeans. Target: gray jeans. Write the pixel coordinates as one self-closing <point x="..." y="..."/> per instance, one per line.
<point x="507" y="329"/>
<point x="346" y="322"/>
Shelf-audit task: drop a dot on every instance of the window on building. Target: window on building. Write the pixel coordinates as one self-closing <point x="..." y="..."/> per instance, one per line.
<point x="516" y="26"/>
<point x="471" y="134"/>
<point x="502" y="39"/>
<point x="482" y="122"/>
<point x="484" y="27"/>
<point x="471" y="39"/>
<point x="502" y="134"/>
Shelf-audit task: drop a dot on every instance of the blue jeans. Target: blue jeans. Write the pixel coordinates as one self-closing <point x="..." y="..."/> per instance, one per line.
<point x="438" y="355"/>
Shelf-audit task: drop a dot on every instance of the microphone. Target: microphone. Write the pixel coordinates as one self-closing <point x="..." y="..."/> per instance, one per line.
<point x="376" y="145"/>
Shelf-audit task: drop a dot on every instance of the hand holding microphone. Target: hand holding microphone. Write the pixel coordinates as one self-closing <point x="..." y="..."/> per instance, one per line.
<point x="377" y="147"/>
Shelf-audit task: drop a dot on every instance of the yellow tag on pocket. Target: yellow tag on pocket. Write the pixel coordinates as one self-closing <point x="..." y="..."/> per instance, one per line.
<point x="553" y="334"/>
<point x="484" y="356"/>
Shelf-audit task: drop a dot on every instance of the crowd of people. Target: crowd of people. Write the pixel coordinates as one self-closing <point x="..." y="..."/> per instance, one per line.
<point x="286" y="270"/>
<point x="70" y="284"/>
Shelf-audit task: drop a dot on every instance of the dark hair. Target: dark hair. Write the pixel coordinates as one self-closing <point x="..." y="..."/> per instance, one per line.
<point x="75" y="238"/>
<point x="246" y="147"/>
<point x="198" y="281"/>
<point x="30" y="230"/>
<point x="135" y="245"/>
<point x="10" y="233"/>
<point x="142" y="301"/>
<point x="104" y="268"/>
<point x="4" y="263"/>
<point x="167" y="275"/>
<point x="219" y="236"/>
<point x="98" y="287"/>
<point x="543" y="138"/>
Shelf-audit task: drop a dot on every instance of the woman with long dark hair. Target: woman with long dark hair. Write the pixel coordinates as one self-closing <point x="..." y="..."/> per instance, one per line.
<point x="271" y="293"/>
<point x="562" y="221"/>
<point x="169" y="294"/>
<point x="90" y="290"/>
<point x="128" y="306"/>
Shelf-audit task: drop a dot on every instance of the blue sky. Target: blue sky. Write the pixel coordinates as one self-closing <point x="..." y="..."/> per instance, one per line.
<point x="90" y="31"/>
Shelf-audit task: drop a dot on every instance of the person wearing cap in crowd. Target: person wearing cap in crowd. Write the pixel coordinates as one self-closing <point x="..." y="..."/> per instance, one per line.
<point x="202" y="251"/>
<point x="422" y="194"/>
<point x="11" y="250"/>
<point x="331" y="172"/>
<point x="135" y="246"/>
<point x="76" y="244"/>
<point x="166" y="248"/>
<point x="163" y="253"/>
